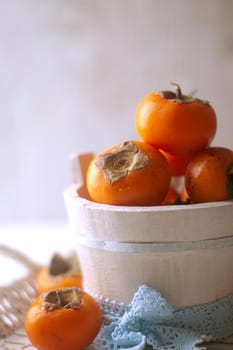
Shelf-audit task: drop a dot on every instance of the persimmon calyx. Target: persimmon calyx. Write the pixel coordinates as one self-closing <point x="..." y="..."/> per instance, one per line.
<point x="229" y="183"/>
<point x="178" y="96"/>
<point x="126" y="159"/>
<point x="64" y="266"/>
<point x="58" y="265"/>
<point x="66" y="298"/>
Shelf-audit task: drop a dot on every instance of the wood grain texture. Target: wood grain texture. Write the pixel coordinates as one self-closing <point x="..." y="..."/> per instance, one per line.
<point x="19" y="341"/>
<point x="148" y="224"/>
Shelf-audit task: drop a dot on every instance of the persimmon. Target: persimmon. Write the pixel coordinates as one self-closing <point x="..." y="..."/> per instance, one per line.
<point x="130" y="173"/>
<point x="176" y="123"/>
<point x="177" y="164"/>
<point x="209" y="176"/>
<point x="172" y="197"/>
<point x="184" y="197"/>
<point x="63" y="319"/>
<point x="61" y="272"/>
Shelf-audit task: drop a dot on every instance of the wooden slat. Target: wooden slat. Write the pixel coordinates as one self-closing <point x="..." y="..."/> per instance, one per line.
<point x="220" y="346"/>
<point x="224" y="345"/>
<point x="19" y="339"/>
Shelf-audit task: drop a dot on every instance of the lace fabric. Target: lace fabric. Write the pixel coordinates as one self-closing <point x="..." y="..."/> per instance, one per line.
<point x="150" y="320"/>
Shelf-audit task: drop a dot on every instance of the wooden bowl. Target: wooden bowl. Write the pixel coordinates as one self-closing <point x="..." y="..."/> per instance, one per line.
<point x="183" y="251"/>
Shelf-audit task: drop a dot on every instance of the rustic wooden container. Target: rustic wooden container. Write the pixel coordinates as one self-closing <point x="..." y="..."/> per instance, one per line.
<point x="183" y="251"/>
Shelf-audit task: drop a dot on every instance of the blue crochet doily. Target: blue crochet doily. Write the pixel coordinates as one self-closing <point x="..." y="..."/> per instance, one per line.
<point x="150" y="320"/>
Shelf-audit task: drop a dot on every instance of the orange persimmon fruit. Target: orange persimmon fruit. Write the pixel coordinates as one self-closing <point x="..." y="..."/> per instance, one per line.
<point x="176" y="123"/>
<point x="184" y="197"/>
<point x="132" y="173"/>
<point x="60" y="273"/>
<point x="172" y="197"/>
<point x="63" y="319"/>
<point x="209" y="176"/>
<point x="177" y="164"/>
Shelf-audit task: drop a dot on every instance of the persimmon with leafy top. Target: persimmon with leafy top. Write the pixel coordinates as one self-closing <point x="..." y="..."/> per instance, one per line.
<point x="176" y="123"/>
<point x="60" y="273"/>
<point x="63" y="319"/>
<point x="209" y="176"/>
<point x="130" y="173"/>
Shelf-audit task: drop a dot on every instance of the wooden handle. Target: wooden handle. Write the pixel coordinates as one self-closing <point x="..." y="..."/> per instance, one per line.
<point x="79" y="166"/>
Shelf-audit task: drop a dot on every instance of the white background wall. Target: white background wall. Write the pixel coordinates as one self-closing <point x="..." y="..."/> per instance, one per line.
<point x="73" y="71"/>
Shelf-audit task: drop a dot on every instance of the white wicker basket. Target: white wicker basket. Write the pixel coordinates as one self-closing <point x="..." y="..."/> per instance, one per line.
<point x="14" y="301"/>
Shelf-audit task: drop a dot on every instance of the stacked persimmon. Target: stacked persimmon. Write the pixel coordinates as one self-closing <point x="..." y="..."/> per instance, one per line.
<point x="176" y="133"/>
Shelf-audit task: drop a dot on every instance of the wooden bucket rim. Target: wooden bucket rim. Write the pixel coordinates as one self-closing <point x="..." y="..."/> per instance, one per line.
<point x="72" y="195"/>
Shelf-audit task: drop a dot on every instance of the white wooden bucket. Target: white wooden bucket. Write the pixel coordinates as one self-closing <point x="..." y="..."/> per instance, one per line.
<point x="183" y="251"/>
